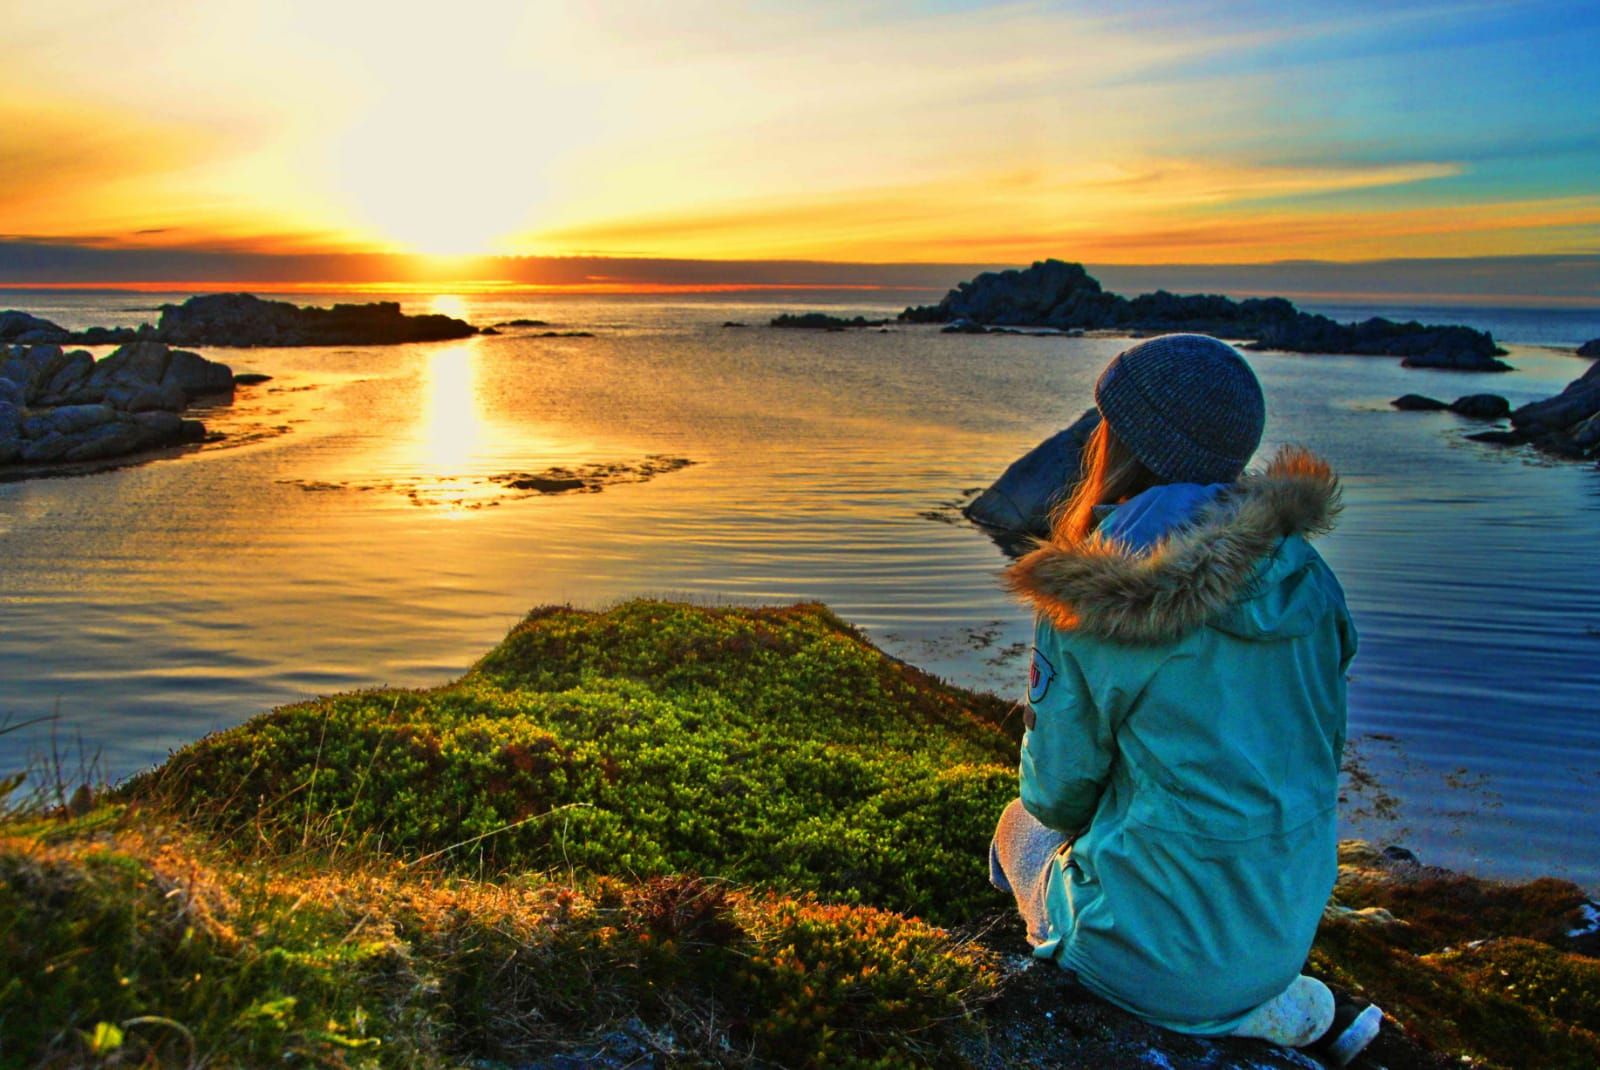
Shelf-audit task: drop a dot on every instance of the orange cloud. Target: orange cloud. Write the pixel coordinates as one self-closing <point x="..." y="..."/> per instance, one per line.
<point x="1178" y="211"/>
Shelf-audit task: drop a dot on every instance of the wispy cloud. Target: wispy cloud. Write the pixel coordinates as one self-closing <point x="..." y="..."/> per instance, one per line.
<point x="1004" y="215"/>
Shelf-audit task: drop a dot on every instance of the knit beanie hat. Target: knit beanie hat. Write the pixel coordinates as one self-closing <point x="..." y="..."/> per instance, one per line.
<point x="1186" y="405"/>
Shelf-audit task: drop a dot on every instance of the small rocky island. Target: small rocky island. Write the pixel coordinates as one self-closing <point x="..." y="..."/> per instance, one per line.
<point x="63" y="408"/>
<point x="1063" y="296"/>
<point x="1566" y="426"/>
<point x="239" y="319"/>
<point x="821" y="321"/>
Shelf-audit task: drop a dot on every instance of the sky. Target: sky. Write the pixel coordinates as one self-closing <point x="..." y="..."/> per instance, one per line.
<point x="490" y="138"/>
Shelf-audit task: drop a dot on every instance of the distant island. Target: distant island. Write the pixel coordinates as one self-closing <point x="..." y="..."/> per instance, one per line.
<point x="1063" y="296"/>
<point x="240" y="319"/>
<point x="821" y="321"/>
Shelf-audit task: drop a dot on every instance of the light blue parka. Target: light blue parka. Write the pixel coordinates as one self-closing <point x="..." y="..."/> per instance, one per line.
<point x="1186" y="720"/>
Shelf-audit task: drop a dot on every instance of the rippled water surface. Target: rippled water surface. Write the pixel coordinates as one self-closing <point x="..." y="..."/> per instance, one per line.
<point x="367" y="544"/>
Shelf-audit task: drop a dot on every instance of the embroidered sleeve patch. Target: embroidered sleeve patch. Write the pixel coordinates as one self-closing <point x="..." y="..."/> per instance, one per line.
<point x="1040" y="673"/>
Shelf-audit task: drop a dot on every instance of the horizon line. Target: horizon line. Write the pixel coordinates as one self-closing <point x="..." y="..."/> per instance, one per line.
<point x="626" y="289"/>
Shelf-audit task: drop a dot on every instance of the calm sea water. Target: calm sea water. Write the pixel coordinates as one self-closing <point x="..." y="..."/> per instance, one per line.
<point x="350" y="537"/>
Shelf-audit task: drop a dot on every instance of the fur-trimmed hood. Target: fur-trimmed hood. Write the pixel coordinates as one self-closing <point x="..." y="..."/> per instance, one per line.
<point x="1104" y="589"/>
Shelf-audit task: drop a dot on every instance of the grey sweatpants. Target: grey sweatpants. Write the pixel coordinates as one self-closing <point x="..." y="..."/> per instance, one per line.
<point x="1019" y="863"/>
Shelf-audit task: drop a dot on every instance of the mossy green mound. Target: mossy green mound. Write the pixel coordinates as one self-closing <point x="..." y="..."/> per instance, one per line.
<point x="773" y="747"/>
<point x="666" y="833"/>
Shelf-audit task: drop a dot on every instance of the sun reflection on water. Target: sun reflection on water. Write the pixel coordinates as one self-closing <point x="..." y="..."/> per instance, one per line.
<point x="461" y="455"/>
<point x="452" y="426"/>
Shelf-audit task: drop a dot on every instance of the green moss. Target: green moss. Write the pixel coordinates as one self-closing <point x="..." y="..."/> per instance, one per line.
<point x="128" y="950"/>
<point x="767" y="746"/>
<point x="1560" y="985"/>
<point x="1444" y="1007"/>
<point x="141" y="944"/>
<point x="1451" y="908"/>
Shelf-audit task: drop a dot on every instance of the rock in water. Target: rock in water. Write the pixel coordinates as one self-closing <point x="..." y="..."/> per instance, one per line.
<point x="245" y="320"/>
<point x="141" y="363"/>
<point x="1586" y="434"/>
<point x="1481" y="406"/>
<point x="66" y="419"/>
<point x="1417" y="403"/>
<point x="10" y="430"/>
<point x="24" y="366"/>
<point x="114" y="439"/>
<point x="78" y="409"/>
<point x="145" y="397"/>
<point x="1052" y="293"/>
<point x="196" y="376"/>
<point x="1579" y="401"/>
<point x="60" y="381"/>
<point x="1499" y="438"/>
<point x="1565" y="425"/>
<point x="822" y="321"/>
<point x="52" y="447"/>
<point x="155" y="365"/>
<point x="1446" y="348"/>
<point x="28" y="329"/>
<point x="1019" y="502"/>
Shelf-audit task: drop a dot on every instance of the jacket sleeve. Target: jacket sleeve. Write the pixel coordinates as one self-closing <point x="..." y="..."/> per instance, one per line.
<point x="1348" y="642"/>
<point x="1069" y="744"/>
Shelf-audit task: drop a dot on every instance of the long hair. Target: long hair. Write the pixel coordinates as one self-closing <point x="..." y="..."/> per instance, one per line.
<point x="1110" y="474"/>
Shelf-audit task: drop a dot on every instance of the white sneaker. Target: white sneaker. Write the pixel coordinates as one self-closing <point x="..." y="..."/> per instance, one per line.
<point x="1295" y="1017"/>
<point x="1354" y="1027"/>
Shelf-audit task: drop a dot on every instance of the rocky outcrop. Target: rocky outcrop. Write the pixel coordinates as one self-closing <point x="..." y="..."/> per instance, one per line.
<point x="245" y="320"/>
<point x="821" y="321"/>
<point x="1579" y="401"/>
<point x="23" y="328"/>
<point x="66" y="407"/>
<point x="1418" y="403"/>
<point x="1018" y="504"/>
<point x="1477" y="406"/>
<point x="1565" y="426"/>
<point x="1591" y="348"/>
<point x="1481" y="406"/>
<point x="1055" y="294"/>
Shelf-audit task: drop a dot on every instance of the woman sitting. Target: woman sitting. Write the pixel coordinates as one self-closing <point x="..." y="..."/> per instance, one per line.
<point x="1174" y="842"/>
